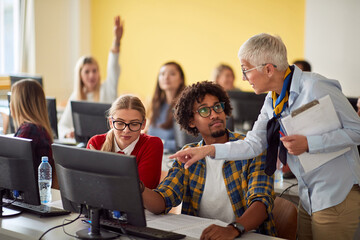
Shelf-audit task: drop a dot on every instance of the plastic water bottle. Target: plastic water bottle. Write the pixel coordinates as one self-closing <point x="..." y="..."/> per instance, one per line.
<point x="279" y="173"/>
<point x="45" y="179"/>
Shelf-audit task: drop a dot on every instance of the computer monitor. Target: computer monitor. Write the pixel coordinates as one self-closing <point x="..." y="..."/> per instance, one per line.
<point x="18" y="171"/>
<point x="89" y="119"/>
<point x="246" y="107"/>
<point x="52" y="113"/>
<point x="100" y="181"/>
<point x="17" y="77"/>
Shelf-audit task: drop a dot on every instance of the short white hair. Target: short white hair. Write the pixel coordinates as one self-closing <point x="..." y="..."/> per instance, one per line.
<point x="265" y="48"/>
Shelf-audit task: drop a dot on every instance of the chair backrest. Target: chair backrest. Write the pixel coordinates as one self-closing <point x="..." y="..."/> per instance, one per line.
<point x="285" y="216"/>
<point x="182" y="138"/>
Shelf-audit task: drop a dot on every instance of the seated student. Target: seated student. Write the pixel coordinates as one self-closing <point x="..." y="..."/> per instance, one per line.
<point x="303" y="65"/>
<point x="30" y="115"/>
<point x="225" y="77"/>
<point x="231" y="191"/>
<point x="87" y="83"/>
<point x="127" y="119"/>
<point x="170" y="83"/>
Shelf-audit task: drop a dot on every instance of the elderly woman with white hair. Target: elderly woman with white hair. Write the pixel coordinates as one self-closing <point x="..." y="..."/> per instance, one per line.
<point x="329" y="194"/>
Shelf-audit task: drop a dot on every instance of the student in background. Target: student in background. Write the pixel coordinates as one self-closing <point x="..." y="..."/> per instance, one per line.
<point x="358" y="106"/>
<point x="30" y="115"/>
<point x="231" y="191"/>
<point x="170" y="83"/>
<point x="303" y="65"/>
<point x="87" y="83"/>
<point x="329" y="195"/>
<point x="126" y="119"/>
<point x="225" y="77"/>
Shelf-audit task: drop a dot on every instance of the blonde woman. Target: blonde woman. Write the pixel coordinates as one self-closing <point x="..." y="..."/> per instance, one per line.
<point x="126" y="119"/>
<point x="28" y="108"/>
<point x="87" y="84"/>
<point x="225" y="77"/>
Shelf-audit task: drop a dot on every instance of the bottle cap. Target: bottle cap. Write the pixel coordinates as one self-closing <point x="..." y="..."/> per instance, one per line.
<point x="44" y="159"/>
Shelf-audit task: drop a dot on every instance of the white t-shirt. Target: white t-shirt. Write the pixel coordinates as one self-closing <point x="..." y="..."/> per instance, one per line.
<point x="215" y="202"/>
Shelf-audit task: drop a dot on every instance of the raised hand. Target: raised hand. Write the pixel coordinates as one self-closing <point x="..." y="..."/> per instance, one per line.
<point x="118" y="28"/>
<point x="118" y="33"/>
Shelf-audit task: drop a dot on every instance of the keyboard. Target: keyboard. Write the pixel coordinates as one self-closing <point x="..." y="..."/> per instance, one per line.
<point x="144" y="232"/>
<point x="41" y="210"/>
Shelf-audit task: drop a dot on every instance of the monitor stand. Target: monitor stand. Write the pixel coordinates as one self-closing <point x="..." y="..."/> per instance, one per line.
<point x="6" y="212"/>
<point x="95" y="231"/>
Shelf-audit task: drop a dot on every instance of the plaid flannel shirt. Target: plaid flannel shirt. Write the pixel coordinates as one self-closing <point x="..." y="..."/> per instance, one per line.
<point x="245" y="180"/>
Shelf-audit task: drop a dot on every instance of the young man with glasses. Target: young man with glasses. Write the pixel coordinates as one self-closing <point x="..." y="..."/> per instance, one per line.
<point x="235" y="192"/>
<point x="329" y="194"/>
<point x="126" y="120"/>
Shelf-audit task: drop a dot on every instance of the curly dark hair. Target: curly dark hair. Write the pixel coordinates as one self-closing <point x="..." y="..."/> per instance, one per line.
<point x="185" y="103"/>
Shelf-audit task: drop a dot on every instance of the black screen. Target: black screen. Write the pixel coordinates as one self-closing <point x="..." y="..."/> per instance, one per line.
<point x="89" y="119"/>
<point x="99" y="180"/>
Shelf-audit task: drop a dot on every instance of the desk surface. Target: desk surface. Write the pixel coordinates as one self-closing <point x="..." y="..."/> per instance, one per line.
<point x="31" y="227"/>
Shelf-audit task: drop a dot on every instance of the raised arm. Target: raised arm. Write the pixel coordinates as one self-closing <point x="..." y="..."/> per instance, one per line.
<point x="118" y="32"/>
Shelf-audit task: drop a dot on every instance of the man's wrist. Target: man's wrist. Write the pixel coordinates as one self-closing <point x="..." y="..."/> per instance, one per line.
<point x="210" y="151"/>
<point x="233" y="231"/>
<point x="238" y="227"/>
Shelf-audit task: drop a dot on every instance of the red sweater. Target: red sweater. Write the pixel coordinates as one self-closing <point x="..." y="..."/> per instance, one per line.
<point x="148" y="152"/>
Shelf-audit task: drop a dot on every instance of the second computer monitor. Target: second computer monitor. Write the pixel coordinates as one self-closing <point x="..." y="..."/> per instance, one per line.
<point x="246" y="108"/>
<point x="18" y="170"/>
<point x="89" y="119"/>
<point x="101" y="181"/>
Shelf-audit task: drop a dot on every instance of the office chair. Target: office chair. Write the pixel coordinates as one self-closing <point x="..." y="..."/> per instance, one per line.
<point x="182" y="137"/>
<point x="285" y="216"/>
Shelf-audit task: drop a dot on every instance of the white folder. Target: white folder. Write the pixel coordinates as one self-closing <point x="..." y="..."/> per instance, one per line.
<point x="314" y="118"/>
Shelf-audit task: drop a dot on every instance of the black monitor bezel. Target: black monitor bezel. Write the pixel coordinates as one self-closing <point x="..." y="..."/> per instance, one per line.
<point x="89" y="119"/>
<point x="18" y="169"/>
<point x="82" y="174"/>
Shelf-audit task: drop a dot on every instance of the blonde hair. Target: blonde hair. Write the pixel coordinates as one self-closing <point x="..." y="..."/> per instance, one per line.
<point x="265" y="48"/>
<point x="122" y="102"/>
<point x="78" y="83"/>
<point x="218" y="70"/>
<point x="28" y="104"/>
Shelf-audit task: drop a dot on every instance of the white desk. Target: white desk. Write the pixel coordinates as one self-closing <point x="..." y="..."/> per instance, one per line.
<point x="31" y="227"/>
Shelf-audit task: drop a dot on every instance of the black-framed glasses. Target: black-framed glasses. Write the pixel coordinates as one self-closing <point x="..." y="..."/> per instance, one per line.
<point x="120" y="125"/>
<point x="206" y="111"/>
<point x="246" y="71"/>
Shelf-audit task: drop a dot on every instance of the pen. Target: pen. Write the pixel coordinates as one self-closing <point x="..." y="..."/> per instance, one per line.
<point x="282" y="134"/>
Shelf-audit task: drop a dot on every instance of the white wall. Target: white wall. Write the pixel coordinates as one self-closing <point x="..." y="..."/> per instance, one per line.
<point x="62" y="30"/>
<point x="332" y="41"/>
